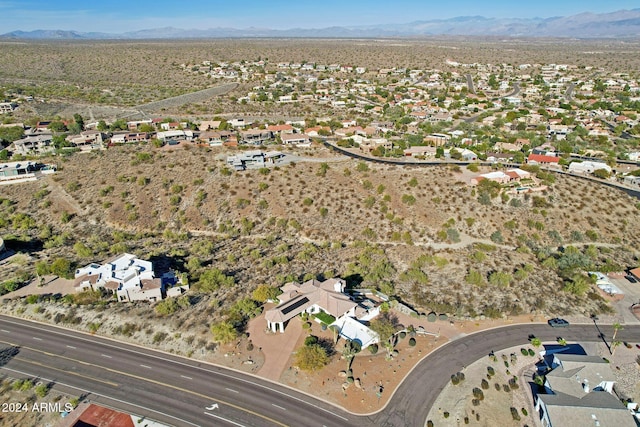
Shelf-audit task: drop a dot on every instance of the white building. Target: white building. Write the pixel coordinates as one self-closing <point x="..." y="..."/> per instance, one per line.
<point x="130" y="278"/>
<point x="588" y="167"/>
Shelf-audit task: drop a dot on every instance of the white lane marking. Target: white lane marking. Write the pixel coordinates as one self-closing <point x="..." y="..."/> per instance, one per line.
<point x="70" y="346"/>
<point x="104" y="396"/>
<point x="279" y="407"/>
<point x="145" y="366"/>
<point x="233" y="391"/>
<point x="4" y="330"/>
<point x="184" y="376"/>
<point x="37" y="339"/>
<point x="107" y="356"/>
<point x="177" y="362"/>
<point x="224" y="419"/>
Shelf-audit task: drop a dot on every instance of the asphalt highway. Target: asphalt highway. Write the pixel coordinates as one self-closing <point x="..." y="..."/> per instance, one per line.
<point x="183" y="392"/>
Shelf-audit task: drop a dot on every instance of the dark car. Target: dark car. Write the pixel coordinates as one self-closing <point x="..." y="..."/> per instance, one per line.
<point x="631" y="278"/>
<point x="558" y="323"/>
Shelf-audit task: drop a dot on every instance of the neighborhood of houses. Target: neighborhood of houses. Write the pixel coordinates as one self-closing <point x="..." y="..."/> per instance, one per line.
<point x="576" y="118"/>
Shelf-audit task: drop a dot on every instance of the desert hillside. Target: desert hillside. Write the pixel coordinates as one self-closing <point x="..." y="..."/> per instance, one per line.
<point x="421" y="234"/>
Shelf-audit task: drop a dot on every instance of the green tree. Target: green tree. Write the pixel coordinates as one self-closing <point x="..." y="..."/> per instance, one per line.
<point x="82" y="250"/>
<point x="213" y="279"/>
<point x="224" y="332"/>
<point x="167" y="306"/>
<point x="264" y="292"/>
<point x="311" y="357"/>
<point x="62" y="267"/>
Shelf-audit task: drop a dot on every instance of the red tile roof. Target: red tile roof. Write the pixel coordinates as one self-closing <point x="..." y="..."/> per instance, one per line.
<point x="539" y="158"/>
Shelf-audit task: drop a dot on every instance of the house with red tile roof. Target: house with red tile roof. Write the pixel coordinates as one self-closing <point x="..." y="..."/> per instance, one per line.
<point x="540" y="159"/>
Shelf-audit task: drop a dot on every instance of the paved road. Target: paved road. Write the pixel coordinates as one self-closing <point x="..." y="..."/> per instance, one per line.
<point x="568" y="94"/>
<point x="470" y="83"/>
<point x="179" y="391"/>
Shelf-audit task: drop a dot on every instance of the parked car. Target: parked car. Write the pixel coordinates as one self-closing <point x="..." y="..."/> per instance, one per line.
<point x="558" y="323"/>
<point x="631" y="278"/>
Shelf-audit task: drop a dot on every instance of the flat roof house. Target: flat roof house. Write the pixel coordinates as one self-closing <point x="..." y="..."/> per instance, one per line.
<point x="129" y="277"/>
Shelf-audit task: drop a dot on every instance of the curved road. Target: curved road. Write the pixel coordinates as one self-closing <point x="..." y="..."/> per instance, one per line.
<point x="181" y="392"/>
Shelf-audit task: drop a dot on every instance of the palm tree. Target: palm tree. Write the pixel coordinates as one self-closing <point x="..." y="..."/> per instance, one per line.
<point x="616" y="327"/>
<point x="349" y="352"/>
<point x="614" y="345"/>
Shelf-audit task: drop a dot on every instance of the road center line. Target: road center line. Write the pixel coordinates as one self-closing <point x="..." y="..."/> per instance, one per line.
<point x="70" y="346"/>
<point x="4" y="330"/>
<point x="279" y="407"/>
<point x="184" y="376"/>
<point x="107" y="356"/>
<point x="224" y="419"/>
<point x="233" y="391"/>
<point x="37" y="339"/>
<point x="56" y="382"/>
<point x="145" y="366"/>
<point x="140" y="351"/>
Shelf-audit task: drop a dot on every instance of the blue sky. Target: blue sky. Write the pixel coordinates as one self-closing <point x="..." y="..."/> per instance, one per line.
<point x="120" y="15"/>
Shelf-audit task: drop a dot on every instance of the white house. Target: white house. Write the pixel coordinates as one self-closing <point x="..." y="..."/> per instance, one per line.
<point x="130" y="278"/>
<point x="588" y="167"/>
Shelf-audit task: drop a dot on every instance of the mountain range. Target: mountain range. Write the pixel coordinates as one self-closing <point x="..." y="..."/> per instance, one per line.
<point x="619" y="24"/>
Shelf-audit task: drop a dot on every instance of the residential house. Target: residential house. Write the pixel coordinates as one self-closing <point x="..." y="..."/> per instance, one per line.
<point x="466" y="154"/>
<point x="209" y="125"/>
<point x="540" y="159"/>
<point x="87" y="140"/>
<point x="127" y="276"/>
<point x="579" y="391"/>
<point x="632" y="181"/>
<point x="310" y="297"/>
<point x="437" y="139"/>
<point x="7" y="107"/>
<point x="34" y="145"/>
<point x="134" y="125"/>
<point x="588" y="167"/>
<point x="215" y="138"/>
<point x="247" y="160"/>
<point x="280" y="129"/>
<point x="420" y="151"/>
<point x="16" y="170"/>
<point x="499" y="157"/>
<point x="130" y="137"/>
<point x="256" y="136"/>
<point x="502" y="177"/>
<point x="297" y="139"/>
<point x="314" y="131"/>
<point x="175" y="135"/>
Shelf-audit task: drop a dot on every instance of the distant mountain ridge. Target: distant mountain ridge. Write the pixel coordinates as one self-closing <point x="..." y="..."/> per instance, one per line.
<point x="621" y="23"/>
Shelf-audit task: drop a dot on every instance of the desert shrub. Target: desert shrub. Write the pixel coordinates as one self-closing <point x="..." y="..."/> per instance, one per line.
<point x="491" y="371"/>
<point x="478" y="394"/>
<point x="159" y="337"/>
<point x="412" y="342"/>
<point x="515" y="414"/>
<point x="373" y="349"/>
<point x="431" y="317"/>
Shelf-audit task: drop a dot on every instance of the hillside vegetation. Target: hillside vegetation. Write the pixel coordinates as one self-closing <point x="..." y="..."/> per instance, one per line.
<point x="421" y="235"/>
